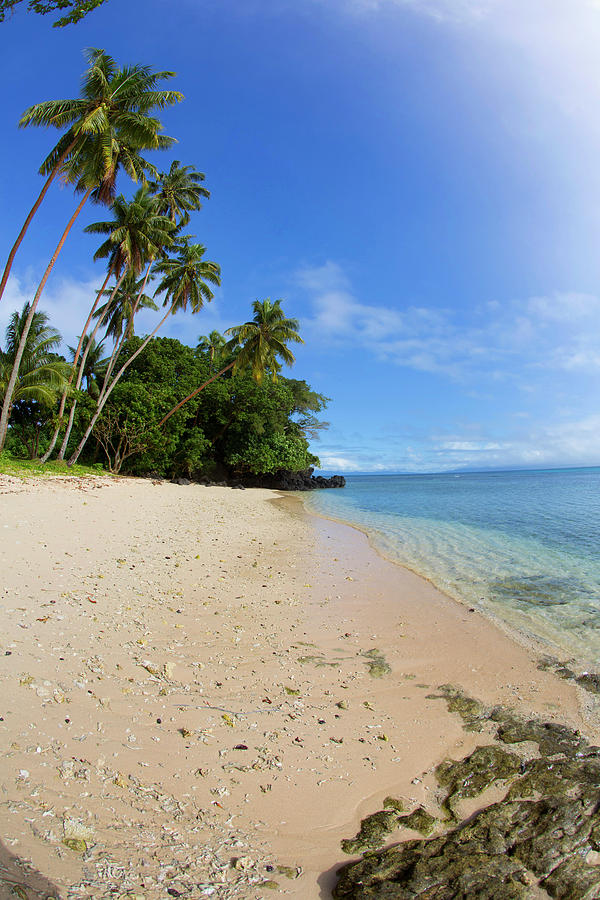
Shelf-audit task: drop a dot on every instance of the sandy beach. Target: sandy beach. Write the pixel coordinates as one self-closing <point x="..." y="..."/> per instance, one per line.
<point x="190" y="705"/>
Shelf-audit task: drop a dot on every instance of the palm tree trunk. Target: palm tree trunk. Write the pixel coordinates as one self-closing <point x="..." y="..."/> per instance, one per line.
<point x="124" y="336"/>
<point x="15" y="369"/>
<point x="63" y="399"/>
<point x="34" y="209"/>
<point x="68" y="429"/>
<point x="110" y="388"/>
<point x="193" y="394"/>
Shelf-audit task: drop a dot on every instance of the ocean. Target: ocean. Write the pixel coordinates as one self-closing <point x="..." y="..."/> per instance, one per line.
<point x="523" y="546"/>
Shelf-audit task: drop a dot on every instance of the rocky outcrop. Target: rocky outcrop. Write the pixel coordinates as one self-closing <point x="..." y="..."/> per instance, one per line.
<point x="280" y="481"/>
<point x="294" y="481"/>
<point x="542" y="839"/>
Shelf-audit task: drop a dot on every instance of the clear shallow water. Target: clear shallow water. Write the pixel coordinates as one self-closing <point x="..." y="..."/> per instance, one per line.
<point x="523" y="545"/>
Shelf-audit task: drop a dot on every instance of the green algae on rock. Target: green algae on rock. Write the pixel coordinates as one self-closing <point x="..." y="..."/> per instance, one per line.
<point x="589" y="681"/>
<point x="419" y="820"/>
<point x="472" y="712"/>
<point x="473" y="775"/>
<point x="544" y="836"/>
<point x="393" y="803"/>
<point x="373" y="831"/>
<point x="504" y="853"/>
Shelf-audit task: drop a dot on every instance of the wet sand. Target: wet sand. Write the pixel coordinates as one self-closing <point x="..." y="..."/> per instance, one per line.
<point x="187" y="706"/>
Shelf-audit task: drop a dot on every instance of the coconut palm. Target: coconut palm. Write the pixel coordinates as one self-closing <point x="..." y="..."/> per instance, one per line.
<point x="118" y="314"/>
<point x="112" y="98"/>
<point x="263" y="341"/>
<point x="94" y="365"/>
<point x="179" y="192"/>
<point x="185" y="282"/>
<point x="258" y="345"/>
<point x="116" y="129"/>
<point x="42" y="373"/>
<point x="136" y="235"/>
<point x="213" y="344"/>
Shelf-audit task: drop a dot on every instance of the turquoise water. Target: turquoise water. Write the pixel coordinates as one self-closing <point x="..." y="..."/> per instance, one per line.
<point x="525" y="546"/>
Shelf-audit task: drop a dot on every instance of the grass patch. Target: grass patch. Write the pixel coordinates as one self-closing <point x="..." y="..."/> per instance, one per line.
<point x="31" y="468"/>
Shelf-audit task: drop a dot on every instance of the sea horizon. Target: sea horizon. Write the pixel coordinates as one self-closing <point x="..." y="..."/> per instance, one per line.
<point x="459" y="471"/>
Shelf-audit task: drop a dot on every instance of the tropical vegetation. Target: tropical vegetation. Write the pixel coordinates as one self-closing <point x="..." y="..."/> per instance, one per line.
<point x="144" y="404"/>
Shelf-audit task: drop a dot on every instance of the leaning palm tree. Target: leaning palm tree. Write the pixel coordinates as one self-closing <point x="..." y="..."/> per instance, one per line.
<point x="118" y="128"/>
<point x="111" y="97"/>
<point x="42" y="373"/>
<point x="258" y="345"/>
<point x="185" y="282"/>
<point x="213" y="344"/>
<point x="135" y="236"/>
<point x="118" y="313"/>
<point x="179" y="192"/>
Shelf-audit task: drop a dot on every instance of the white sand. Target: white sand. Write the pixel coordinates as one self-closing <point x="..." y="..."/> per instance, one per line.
<point x="127" y="602"/>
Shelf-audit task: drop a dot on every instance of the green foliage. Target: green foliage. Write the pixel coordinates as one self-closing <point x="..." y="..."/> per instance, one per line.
<point x="236" y="426"/>
<point x="270" y="454"/>
<point x="42" y="374"/>
<point x="263" y="341"/>
<point x="77" y="9"/>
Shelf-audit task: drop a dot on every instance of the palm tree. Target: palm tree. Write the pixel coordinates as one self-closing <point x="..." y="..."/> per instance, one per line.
<point x="111" y="98"/>
<point x="263" y="341"/>
<point x="94" y="365"/>
<point x="42" y="373"/>
<point x="259" y="343"/>
<point x="118" y="313"/>
<point x="185" y="282"/>
<point x="135" y="236"/>
<point x="213" y="344"/>
<point x="179" y="192"/>
<point x="117" y="128"/>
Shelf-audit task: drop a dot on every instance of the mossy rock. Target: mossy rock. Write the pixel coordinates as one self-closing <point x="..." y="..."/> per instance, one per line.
<point x="374" y="830"/>
<point x="551" y="737"/>
<point x="503" y="853"/>
<point x="419" y="820"/>
<point x="537" y="838"/>
<point x="434" y="870"/>
<point x="573" y="881"/>
<point x="472" y="776"/>
<point x="393" y="803"/>
<point x="590" y="681"/>
<point x="473" y="713"/>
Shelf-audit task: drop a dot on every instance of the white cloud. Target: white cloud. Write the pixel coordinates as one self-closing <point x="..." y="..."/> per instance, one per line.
<point x="471" y="446"/>
<point x="570" y="442"/>
<point x="559" y="332"/>
<point x="68" y="302"/>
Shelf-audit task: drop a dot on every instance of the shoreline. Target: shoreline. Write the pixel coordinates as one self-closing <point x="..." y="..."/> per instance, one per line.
<point x="244" y="624"/>
<point x="517" y="631"/>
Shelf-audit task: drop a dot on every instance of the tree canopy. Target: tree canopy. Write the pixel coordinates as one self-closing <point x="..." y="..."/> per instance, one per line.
<point x="74" y="9"/>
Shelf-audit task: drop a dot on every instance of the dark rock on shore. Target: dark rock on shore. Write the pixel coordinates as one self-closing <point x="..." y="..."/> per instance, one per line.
<point x="544" y="836"/>
<point x="295" y="481"/>
<point x="280" y="481"/>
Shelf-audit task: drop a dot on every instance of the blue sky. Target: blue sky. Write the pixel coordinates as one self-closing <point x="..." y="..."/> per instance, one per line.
<point x="419" y="180"/>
